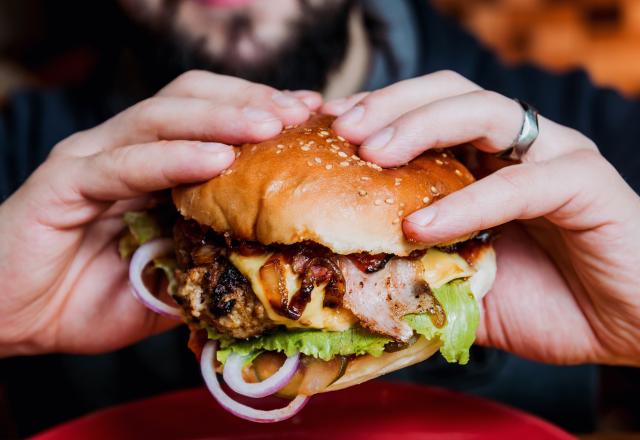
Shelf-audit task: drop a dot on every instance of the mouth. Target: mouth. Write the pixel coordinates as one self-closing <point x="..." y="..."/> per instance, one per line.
<point x="231" y="4"/>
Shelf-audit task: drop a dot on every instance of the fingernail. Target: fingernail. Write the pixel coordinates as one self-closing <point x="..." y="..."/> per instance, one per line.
<point x="353" y="116"/>
<point x="258" y="115"/>
<point x="284" y="100"/>
<point x="380" y="139"/>
<point x="422" y="217"/>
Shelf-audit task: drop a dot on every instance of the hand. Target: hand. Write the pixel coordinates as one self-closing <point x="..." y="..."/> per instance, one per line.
<point x="567" y="289"/>
<point x="64" y="286"/>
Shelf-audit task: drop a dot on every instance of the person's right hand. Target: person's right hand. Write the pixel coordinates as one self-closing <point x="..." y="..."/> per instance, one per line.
<point x="64" y="286"/>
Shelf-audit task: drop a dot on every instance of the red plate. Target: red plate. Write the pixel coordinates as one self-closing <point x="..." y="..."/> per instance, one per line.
<point x="375" y="410"/>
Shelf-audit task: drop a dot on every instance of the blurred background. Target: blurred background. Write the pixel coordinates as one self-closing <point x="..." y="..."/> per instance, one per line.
<point x="43" y="44"/>
<point x="601" y="36"/>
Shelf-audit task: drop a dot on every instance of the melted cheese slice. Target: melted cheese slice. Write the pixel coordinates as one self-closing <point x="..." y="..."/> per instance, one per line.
<point x="439" y="268"/>
<point x="442" y="267"/>
<point x="315" y="314"/>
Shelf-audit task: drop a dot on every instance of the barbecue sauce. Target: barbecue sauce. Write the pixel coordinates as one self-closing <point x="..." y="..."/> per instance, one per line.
<point x="369" y="263"/>
<point x="430" y="305"/>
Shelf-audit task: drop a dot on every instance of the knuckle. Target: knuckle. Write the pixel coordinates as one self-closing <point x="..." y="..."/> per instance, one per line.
<point x="514" y="180"/>
<point x="259" y="92"/>
<point x="512" y="175"/>
<point x="375" y="99"/>
<point x="488" y="96"/>
<point x="591" y="162"/>
<point x="145" y="108"/>
<point x="449" y="74"/>
<point x="190" y="77"/>
<point x="585" y="143"/>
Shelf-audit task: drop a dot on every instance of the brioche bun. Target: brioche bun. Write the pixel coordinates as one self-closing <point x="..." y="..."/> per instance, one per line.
<point x="309" y="184"/>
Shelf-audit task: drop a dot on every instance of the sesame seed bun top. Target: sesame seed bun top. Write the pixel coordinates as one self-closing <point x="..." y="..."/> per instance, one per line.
<point x="309" y="184"/>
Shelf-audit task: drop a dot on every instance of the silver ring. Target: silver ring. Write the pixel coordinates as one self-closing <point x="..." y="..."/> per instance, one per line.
<point x="527" y="136"/>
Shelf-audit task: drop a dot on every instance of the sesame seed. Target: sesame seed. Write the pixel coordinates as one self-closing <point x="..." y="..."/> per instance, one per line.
<point x="378" y="202"/>
<point x="323" y="133"/>
<point x="329" y="140"/>
<point x="398" y="180"/>
<point x="375" y="166"/>
<point x="340" y="138"/>
<point x="226" y="172"/>
<point x="278" y="151"/>
<point x="328" y="166"/>
<point x="317" y="160"/>
<point x="361" y="163"/>
<point x="396" y="221"/>
<point x="439" y="162"/>
<point x="342" y="154"/>
<point x="362" y="192"/>
<point x="388" y="201"/>
<point x="305" y="148"/>
<point x="444" y="155"/>
<point x="458" y="172"/>
<point x="254" y="148"/>
<point x="344" y="163"/>
<point x="365" y="178"/>
<point x="434" y="190"/>
<point x="425" y="199"/>
<point x="400" y="213"/>
<point x="309" y="163"/>
<point x="402" y="204"/>
<point x="308" y="130"/>
<point x="354" y="157"/>
<point x="280" y="146"/>
<point x="238" y="153"/>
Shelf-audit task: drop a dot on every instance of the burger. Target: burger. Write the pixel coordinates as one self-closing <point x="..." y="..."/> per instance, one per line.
<point x="294" y="275"/>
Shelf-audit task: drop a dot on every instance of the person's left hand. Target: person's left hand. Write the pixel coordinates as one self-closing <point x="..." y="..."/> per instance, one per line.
<point x="567" y="284"/>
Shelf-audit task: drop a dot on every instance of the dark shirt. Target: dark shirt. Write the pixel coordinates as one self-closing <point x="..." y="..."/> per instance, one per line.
<point x="423" y="41"/>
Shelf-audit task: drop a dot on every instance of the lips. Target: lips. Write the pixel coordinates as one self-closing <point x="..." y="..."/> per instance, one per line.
<point x="224" y="3"/>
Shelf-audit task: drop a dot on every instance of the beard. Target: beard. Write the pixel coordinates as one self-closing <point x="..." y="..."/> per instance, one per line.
<point x="316" y="46"/>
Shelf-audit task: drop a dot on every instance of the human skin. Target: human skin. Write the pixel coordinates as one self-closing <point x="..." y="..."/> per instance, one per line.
<point x="567" y="289"/>
<point x="65" y="287"/>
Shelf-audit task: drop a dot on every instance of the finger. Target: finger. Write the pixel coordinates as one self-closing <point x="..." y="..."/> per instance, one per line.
<point x="381" y="107"/>
<point x="485" y="119"/>
<point x="567" y="191"/>
<point x="122" y="206"/>
<point x="129" y="172"/>
<point x="169" y="118"/>
<point x="238" y="92"/>
<point x="339" y="106"/>
<point x="313" y="100"/>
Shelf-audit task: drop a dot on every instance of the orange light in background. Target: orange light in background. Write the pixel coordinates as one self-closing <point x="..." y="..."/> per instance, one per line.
<point x="602" y="36"/>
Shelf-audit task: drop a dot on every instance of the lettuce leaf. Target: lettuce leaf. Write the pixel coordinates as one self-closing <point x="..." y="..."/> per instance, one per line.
<point x="463" y="317"/>
<point x="141" y="227"/>
<point x="316" y="343"/>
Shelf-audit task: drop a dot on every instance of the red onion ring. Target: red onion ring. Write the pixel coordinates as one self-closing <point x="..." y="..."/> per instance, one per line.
<point x="141" y="257"/>
<point x="232" y="374"/>
<point x="237" y="408"/>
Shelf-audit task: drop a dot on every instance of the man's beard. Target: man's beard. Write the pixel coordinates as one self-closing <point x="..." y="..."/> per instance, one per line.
<point x="316" y="46"/>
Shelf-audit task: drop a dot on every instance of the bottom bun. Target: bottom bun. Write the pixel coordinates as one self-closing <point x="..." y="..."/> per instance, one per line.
<point x="364" y="368"/>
